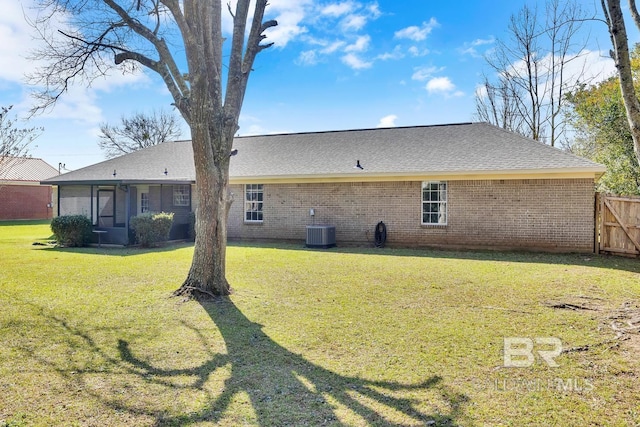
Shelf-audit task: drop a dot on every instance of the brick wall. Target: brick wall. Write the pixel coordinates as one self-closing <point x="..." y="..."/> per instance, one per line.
<point x="555" y="215"/>
<point x="25" y="202"/>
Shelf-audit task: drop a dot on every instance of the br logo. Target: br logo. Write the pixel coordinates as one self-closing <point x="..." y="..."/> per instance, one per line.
<point x="519" y="352"/>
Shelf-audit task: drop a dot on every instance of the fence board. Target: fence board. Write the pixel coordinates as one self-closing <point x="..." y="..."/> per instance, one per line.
<point x="619" y="225"/>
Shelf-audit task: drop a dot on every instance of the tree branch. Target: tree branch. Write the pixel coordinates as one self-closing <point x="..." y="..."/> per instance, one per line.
<point x="174" y="77"/>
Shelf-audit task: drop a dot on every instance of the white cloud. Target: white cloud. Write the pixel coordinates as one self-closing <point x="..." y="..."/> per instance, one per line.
<point x="588" y="67"/>
<point x="425" y="73"/>
<point x="387" y="121"/>
<point x="444" y="86"/>
<point x="307" y="57"/>
<point x="440" y="84"/>
<point x="288" y="13"/>
<point x="374" y="10"/>
<point x="16" y="38"/>
<point x="78" y="104"/>
<point x="333" y="47"/>
<point x="480" y="42"/>
<point x="18" y="42"/>
<point x="481" y="92"/>
<point x="337" y="28"/>
<point x="416" y="33"/>
<point x="471" y="48"/>
<point x="354" y="23"/>
<point x="338" y="9"/>
<point x="289" y="17"/>
<point x="395" y="54"/>
<point x="360" y="45"/>
<point x="415" y="51"/>
<point x="355" y="62"/>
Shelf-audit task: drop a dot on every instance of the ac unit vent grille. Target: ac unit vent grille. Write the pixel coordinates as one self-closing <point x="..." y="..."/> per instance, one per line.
<point x="321" y="236"/>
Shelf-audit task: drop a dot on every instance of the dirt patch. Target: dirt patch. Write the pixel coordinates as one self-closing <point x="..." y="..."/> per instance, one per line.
<point x="579" y="302"/>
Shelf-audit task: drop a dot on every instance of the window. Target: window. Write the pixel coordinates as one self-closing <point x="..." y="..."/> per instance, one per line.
<point x="253" y="200"/>
<point x="434" y="203"/>
<point x="144" y="202"/>
<point x="181" y="195"/>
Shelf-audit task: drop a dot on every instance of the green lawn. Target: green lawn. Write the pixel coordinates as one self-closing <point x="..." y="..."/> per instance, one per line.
<point x="91" y="337"/>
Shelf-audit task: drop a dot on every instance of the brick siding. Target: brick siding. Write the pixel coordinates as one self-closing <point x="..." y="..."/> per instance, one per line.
<point x="25" y="202"/>
<point x="553" y="215"/>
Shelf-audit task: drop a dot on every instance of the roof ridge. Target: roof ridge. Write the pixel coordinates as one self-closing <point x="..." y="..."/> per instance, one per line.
<point x="353" y="130"/>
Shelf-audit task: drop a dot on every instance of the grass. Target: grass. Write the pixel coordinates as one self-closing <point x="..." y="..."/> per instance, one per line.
<point x="338" y="337"/>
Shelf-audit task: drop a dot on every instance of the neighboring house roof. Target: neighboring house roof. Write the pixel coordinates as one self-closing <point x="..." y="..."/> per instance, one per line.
<point x="25" y="169"/>
<point x="464" y="151"/>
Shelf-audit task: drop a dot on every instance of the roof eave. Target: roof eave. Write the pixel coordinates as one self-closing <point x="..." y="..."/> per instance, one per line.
<point x="564" y="173"/>
<point x="177" y="181"/>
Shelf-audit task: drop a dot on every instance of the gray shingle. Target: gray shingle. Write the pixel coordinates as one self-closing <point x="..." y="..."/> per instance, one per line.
<point x="454" y="149"/>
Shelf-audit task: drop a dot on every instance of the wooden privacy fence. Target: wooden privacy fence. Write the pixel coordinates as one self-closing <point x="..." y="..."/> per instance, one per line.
<point x="618" y="220"/>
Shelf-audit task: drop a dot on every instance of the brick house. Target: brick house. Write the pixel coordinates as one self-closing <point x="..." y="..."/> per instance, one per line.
<point x="469" y="185"/>
<point x="21" y="194"/>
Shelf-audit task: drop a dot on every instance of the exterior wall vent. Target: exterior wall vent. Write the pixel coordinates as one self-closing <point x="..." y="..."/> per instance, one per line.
<point x="321" y="236"/>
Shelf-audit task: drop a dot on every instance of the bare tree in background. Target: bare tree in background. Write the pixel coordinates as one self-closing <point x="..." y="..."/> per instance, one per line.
<point x="162" y="35"/>
<point x="530" y="67"/>
<point x="620" y="53"/>
<point x="495" y="104"/>
<point x="14" y="141"/>
<point x="137" y="132"/>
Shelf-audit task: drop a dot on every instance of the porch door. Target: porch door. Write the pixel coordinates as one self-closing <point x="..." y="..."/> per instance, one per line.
<point x="106" y="208"/>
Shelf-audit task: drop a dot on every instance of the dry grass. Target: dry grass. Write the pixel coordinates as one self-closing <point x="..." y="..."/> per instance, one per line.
<point x="337" y="337"/>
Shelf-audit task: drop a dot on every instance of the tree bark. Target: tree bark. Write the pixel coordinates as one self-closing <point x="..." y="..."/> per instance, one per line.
<point x="213" y="126"/>
<point x="207" y="275"/>
<point x="618" y="32"/>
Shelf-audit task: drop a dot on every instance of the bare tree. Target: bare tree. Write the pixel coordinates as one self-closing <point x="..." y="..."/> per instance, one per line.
<point x="14" y="141"/>
<point x="137" y="132"/>
<point x="530" y="68"/>
<point x="495" y="103"/>
<point x="161" y="35"/>
<point x="620" y="53"/>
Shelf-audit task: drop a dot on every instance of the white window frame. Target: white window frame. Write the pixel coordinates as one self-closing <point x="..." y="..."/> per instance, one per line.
<point x="144" y="202"/>
<point x="181" y="195"/>
<point x="253" y="203"/>
<point x="143" y="189"/>
<point x="434" y="198"/>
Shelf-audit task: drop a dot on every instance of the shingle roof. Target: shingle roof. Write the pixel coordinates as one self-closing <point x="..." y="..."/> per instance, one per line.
<point x="467" y="148"/>
<point x="25" y="169"/>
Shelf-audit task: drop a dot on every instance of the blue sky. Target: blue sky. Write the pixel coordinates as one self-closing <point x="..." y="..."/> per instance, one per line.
<point x="336" y="64"/>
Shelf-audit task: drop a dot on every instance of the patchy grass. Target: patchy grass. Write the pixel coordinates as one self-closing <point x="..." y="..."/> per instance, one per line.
<point x="337" y="337"/>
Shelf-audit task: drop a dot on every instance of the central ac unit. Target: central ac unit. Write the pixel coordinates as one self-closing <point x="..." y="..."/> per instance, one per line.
<point x="321" y="236"/>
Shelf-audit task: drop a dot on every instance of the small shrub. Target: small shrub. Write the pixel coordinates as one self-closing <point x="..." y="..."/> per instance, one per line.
<point x="71" y="230"/>
<point x="151" y="228"/>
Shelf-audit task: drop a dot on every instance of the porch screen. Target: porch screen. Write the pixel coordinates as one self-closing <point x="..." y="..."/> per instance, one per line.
<point x="75" y="200"/>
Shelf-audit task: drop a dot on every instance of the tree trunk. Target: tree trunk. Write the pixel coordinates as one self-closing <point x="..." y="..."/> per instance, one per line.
<point x="206" y="276"/>
<point x="213" y="123"/>
<point x="618" y="32"/>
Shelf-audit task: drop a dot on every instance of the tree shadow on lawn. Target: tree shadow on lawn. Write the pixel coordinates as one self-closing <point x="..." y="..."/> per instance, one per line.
<point x="120" y="251"/>
<point x="574" y="259"/>
<point x="285" y="389"/>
